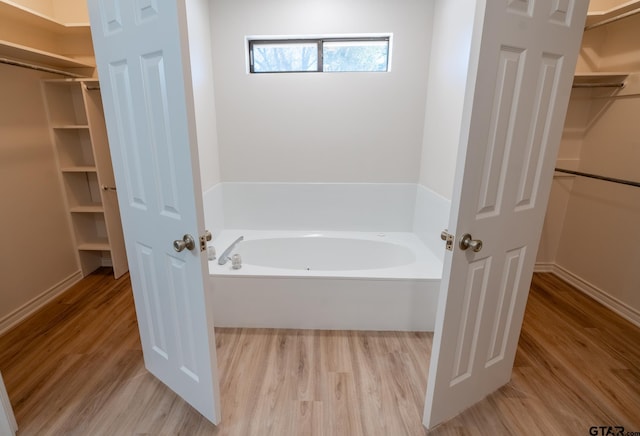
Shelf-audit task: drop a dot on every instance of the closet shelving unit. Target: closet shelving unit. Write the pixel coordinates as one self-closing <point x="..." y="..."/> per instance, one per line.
<point x="30" y="38"/>
<point x="74" y="108"/>
<point x="614" y="13"/>
<point x="599" y="80"/>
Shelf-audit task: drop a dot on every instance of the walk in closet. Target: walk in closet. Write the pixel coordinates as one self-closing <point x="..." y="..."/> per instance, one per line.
<point x="591" y="236"/>
<point x="61" y="219"/>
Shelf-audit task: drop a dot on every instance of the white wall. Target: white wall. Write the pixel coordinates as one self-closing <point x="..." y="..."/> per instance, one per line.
<point x="37" y="251"/>
<point x="448" y="74"/>
<point x="201" y="73"/>
<point x="320" y="127"/>
<point x="365" y="207"/>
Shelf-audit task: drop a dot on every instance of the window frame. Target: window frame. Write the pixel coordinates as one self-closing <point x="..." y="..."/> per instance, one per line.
<point x="319" y="42"/>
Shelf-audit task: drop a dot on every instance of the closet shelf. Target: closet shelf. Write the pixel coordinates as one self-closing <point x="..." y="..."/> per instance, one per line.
<point x="27" y="17"/>
<point x="87" y="208"/>
<point x="95" y="246"/>
<point x="71" y="126"/>
<point x="20" y="52"/>
<point x="599" y="18"/>
<point x="599" y="80"/>
<point x="79" y="169"/>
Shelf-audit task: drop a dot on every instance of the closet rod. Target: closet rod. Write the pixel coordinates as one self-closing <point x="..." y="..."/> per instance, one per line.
<point x="38" y="68"/>
<point x="595" y="176"/>
<point x="598" y="85"/>
<point x="613" y="19"/>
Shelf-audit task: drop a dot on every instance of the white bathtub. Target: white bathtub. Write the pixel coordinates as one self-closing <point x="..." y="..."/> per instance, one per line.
<point x="327" y="280"/>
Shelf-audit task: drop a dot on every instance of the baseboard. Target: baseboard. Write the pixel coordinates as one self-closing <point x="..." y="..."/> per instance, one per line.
<point x="30" y="307"/>
<point x="543" y="267"/>
<point x="624" y="310"/>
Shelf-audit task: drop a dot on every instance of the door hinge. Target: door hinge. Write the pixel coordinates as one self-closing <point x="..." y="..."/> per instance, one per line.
<point x="448" y="237"/>
<point x="203" y="240"/>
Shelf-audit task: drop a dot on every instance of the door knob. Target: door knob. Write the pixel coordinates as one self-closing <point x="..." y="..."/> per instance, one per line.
<point x="468" y="242"/>
<point x="187" y="242"/>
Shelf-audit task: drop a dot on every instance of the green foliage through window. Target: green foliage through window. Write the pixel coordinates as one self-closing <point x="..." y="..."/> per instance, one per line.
<point x="319" y="55"/>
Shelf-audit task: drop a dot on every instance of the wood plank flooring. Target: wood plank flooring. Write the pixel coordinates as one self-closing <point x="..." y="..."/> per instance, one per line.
<point x="75" y="368"/>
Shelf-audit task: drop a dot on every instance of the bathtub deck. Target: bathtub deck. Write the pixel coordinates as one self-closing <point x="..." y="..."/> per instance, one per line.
<point x="400" y="298"/>
<point x="427" y="266"/>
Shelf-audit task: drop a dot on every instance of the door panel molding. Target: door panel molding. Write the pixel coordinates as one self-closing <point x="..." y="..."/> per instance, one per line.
<point x="520" y="79"/>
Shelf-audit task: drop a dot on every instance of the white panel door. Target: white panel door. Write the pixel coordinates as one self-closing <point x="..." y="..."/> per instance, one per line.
<point x="523" y="68"/>
<point x="142" y="55"/>
<point x="8" y="424"/>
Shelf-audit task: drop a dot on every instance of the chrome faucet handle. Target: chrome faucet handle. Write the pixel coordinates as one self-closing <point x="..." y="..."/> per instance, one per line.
<point x="236" y="261"/>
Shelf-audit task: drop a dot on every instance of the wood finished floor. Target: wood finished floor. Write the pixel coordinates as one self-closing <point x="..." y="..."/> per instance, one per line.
<point x="75" y="368"/>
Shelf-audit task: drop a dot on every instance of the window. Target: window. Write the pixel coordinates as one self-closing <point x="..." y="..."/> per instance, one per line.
<point x="319" y="54"/>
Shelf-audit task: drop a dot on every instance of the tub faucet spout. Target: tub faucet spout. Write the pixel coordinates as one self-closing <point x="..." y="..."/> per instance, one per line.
<point x="224" y="257"/>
